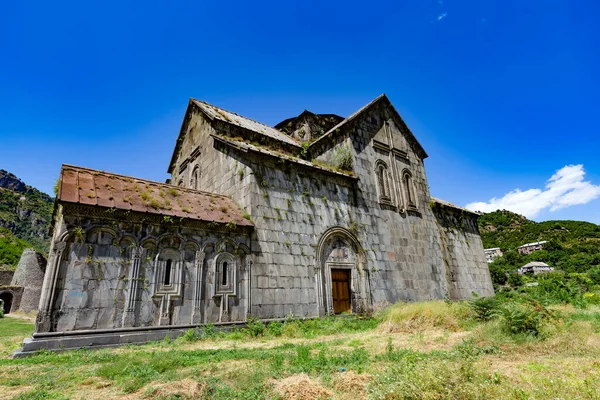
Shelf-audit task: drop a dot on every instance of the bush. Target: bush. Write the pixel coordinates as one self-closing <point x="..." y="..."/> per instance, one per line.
<point x="191" y="335"/>
<point x="1" y="308"/>
<point x="485" y="308"/>
<point x="255" y="327"/>
<point x="342" y="157"/>
<point x="526" y="318"/>
<point x="275" y="328"/>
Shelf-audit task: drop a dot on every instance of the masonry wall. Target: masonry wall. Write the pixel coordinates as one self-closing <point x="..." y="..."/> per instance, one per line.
<point x="293" y="206"/>
<point x="95" y="280"/>
<point x="462" y="249"/>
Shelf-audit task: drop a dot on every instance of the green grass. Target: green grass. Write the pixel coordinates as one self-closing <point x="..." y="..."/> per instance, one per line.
<point x="441" y="351"/>
<point x="12" y="332"/>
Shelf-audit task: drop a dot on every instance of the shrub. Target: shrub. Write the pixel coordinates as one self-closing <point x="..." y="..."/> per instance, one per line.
<point x="275" y="328"/>
<point x="485" y="308"/>
<point x="255" y="327"/>
<point x="525" y="318"/>
<point x="591" y="298"/>
<point x="342" y="157"/>
<point x="1" y="308"/>
<point x="208" y="331"/>
<point x="191" y="335"/>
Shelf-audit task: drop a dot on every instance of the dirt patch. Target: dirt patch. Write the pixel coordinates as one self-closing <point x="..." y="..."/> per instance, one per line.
<point x="184" y="389"/>
<point x="300" y="387"/>
<point x="352" y="383"/>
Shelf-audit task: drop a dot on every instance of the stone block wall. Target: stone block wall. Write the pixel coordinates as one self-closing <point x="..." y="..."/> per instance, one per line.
<point x="109" y="274"/>
<point x="401" y="251"/>
<point x="6" y="277"/>
<point x="30" y="275"/>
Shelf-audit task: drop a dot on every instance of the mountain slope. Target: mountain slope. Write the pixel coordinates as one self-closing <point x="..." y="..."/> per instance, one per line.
<point x="11" y="248"/>
<point x="573" y="246"/>
<point x="25" y="211"/>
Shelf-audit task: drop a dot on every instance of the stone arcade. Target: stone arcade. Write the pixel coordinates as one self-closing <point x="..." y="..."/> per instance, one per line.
<point x="317" y="215"/>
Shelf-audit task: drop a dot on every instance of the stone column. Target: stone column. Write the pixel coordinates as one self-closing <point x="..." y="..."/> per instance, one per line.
<point x="44" y="318"/>
<point x="248" y="273"/>
<point x="319" y="290"/>
<point x="196" y="309"/>
<point x="134" y="274"/>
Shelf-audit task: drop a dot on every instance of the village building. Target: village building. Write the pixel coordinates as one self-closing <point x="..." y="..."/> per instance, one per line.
<point x="492" y="253"/>
<point x="531" y="247"/>
<point x="318" y="215"/>
<point x="534" y="267"/>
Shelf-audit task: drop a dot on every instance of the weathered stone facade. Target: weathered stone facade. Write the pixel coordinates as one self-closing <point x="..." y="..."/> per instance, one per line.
<point x="350" y="202"/>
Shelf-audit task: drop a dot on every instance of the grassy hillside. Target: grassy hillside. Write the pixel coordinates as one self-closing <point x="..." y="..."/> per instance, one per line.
<point x="25" y="211"/>
<point x="11" y="248"/>
<point x="508" y="230"/>
<point x="573" y="249"/>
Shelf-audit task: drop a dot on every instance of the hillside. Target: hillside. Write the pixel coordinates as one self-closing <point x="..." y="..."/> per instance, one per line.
<point x="573" y="246"/>
<point x="24" y="211"/>
<point x="508" y="230"/>
<point x="11" y="248"/>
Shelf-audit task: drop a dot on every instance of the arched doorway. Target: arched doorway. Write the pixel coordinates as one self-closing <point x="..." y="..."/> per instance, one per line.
<point x="342" y="279"/>
<point x="7" y="299"/>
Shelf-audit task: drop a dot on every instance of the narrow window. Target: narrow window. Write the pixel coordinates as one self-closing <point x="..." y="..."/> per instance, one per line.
<point x="224" y="274"/>
<point x="383" y="183"/>
<point x="180" y="183"/>
<point x="408" y="187"/>
<point x="195" y="178"/>
<point x="168" y="273"/>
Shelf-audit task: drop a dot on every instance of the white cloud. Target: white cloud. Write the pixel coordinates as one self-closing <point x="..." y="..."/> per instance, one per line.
<point x="441" y="16"/>
<point x="564" y="189"/>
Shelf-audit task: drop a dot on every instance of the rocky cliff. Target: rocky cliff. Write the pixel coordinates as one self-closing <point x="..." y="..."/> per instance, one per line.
<point x="25" y="211"/>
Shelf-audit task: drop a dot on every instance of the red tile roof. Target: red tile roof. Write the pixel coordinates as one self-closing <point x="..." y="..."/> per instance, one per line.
<point x="98" y="188"/>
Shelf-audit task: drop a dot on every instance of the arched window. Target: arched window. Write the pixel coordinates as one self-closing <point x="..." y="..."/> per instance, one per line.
<point x="194" y="184"/>
<point x="409" y="190"/>
<point x="180" y="183"/>
<point x="383" y="182"/>
<point x="225" y="271"/>
<point x="169" y="278"/>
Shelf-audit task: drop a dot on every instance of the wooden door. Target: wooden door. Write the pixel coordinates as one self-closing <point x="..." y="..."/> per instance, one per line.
<point x="340" y="282"/>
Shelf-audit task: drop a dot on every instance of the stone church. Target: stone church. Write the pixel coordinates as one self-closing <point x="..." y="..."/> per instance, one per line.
<point x="317" y="215"/>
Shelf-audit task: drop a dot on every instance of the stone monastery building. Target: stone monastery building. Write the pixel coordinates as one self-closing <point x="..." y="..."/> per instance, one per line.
<point x="317" y="215"/>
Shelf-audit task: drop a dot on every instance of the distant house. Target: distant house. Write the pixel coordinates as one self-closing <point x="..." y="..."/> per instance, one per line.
<point x="490" y="254"/>
<point x="531" y="247"/>
<point x="535" y="267"/>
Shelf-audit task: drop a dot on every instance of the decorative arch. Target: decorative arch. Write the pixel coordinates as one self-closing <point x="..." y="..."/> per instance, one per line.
<point x="66" y="236"/>
<point x="226" y="265"/>
<point x="338" y="249"/>
<point x="410" y="195"/>
<point x="223" y="244"/>
<point x="384" y="183"/>
<point x="176" y="240"/>
<point x="102" y="235"/>
<point x="127" y="238"/>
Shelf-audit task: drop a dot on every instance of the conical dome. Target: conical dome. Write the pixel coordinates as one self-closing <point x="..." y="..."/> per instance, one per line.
<point x="30" y="275"/>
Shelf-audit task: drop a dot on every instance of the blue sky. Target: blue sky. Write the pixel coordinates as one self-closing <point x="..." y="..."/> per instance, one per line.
<point x="502" y="94"/>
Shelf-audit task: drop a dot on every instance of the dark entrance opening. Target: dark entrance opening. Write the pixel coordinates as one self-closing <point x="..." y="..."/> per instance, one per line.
<point x="340" y="290"/>
<point x="8" y="299"/>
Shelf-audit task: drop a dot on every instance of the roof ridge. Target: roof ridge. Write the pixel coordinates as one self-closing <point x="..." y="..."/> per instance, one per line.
<point x="241" y="116"/>
<point x="351" y="116"/>
<point x="105" y="173"/>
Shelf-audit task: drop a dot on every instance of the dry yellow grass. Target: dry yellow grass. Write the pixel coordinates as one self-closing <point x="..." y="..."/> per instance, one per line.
<point x="411" y="317"/>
